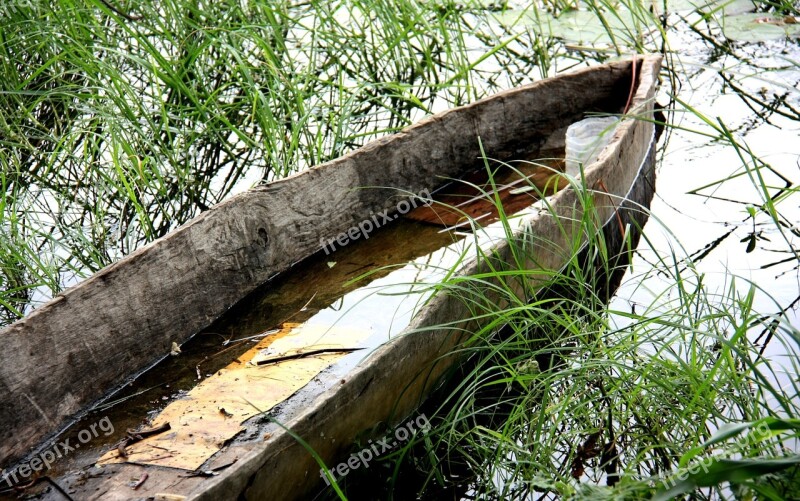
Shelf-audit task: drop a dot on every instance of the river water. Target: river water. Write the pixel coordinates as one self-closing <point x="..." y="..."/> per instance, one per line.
<point x="709" y="193"/>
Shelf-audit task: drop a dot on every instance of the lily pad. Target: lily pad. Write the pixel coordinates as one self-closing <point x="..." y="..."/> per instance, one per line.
<point x="581" y="26"/>
<point x="577" y="26"/>
<point x="759" y="27"/>
<point x="728" y="7"/>
<point x="586" y="27"/>
<point x="736" y="7"/>
<point x="685" y="5"/>
<point x="514" y="17"/>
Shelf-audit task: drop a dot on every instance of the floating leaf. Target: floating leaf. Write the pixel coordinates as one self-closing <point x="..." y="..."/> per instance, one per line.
<point x="577" y="26"/>
<point x="686" y="5"/>
<point x="735" y="7"/>
<point x="751" y="242"/>
<point x="513" y="17"/>
<point x="581" y="26"/>
<point x="758" y="27"/>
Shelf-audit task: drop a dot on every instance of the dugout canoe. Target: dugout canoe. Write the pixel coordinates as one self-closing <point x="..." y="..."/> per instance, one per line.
<point x="68" y="354"/>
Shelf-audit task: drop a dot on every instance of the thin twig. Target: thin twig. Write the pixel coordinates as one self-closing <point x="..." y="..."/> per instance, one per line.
<point x="140" y="481"/>
<point x="633" y="85"/>
<point x="56" y="487"/>
<point x="114" y="9"/>
<point x="306" y="354"/>
<point x="136" y="436"/>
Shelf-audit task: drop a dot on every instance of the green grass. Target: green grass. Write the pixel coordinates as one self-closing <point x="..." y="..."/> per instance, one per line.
<point x="561" y="396"/>
<point x="114" y="132"/>
<point x="120" y="121"/>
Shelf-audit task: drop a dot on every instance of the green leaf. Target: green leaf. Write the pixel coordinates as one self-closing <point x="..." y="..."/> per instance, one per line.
<point x="731" y="430"/>
<point x="717" y="471"/>
<point x="757" y="27"/>
<point x="751" y="244"/>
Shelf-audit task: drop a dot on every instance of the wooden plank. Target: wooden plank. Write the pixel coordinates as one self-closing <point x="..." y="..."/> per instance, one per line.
<point x="398" y="375"/>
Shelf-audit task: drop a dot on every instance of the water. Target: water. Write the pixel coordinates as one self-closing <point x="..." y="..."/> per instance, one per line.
<point x="704" y="192"/>
<point x="700" y="210"/>
<point x="398" y="268"/>
<point x="318" y="293"/>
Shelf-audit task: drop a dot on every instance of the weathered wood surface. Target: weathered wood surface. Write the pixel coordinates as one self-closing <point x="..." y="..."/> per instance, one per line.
<point x="71" y="351"/>
<point x="294" y="214"/>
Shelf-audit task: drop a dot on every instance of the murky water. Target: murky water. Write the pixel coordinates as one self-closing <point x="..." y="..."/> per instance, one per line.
<point x="704" y="190"/>
<point x="373" y="285"/>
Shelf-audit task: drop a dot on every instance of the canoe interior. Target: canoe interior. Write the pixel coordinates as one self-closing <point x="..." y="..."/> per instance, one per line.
<point x="414" y="363"/>
<point x="312" y="287"/>
<point x="95" y="336"/>
<point x="476" y="196"/>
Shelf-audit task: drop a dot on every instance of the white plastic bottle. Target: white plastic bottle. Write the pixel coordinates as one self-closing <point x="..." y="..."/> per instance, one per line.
<point x="586" y="139"/>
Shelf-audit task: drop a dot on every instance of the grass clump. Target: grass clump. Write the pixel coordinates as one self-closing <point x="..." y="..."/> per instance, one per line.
<point x="121" y="121"/>
<point x="561" y="396"/>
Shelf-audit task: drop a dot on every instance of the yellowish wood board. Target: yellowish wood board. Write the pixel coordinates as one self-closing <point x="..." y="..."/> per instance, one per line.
<point x="212" y="413"/>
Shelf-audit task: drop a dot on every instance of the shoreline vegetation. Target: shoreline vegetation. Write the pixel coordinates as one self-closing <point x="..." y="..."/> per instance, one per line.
<point x="120" y="121"/>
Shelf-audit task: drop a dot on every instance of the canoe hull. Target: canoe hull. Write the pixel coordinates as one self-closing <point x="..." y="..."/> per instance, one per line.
<point x="412" y="364"/>
<point x="67" y="354"/>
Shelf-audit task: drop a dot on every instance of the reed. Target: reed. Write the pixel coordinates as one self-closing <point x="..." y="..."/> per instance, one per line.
<point x="120" y="121"/>
<point x="561" y="395"/>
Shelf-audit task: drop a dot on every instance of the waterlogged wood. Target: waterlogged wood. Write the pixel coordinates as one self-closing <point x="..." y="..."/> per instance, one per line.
<point x="208" y="416"/>
<point x="72" y="350"/>
<point x="397" y="376"/>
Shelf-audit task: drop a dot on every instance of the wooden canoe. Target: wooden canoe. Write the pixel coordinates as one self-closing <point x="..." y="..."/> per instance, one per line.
<point x="68" y="354"/>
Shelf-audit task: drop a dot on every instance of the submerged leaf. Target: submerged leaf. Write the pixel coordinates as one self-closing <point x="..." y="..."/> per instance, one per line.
<point x="751" y="244"/>
<point x="203" y="420"/>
